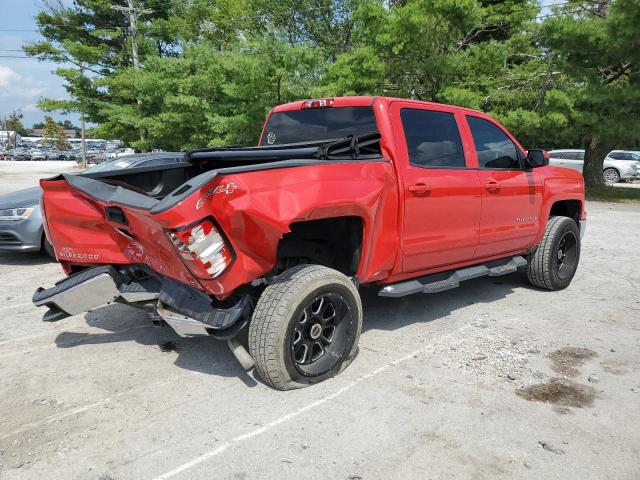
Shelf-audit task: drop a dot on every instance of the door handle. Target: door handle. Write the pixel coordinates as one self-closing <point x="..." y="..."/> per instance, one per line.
<point x="492" y="185"/>
<point x="419" y="189"/>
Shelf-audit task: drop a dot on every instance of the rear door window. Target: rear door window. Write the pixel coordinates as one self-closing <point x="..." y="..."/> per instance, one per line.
<point x="494" y="148"/>
<point x="433" y="139"/>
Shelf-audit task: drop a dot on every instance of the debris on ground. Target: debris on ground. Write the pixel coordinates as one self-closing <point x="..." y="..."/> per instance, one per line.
<point x="551" y="448"/>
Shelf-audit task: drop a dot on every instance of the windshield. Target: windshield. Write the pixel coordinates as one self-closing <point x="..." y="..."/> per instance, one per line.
<point x="318" y="124"/>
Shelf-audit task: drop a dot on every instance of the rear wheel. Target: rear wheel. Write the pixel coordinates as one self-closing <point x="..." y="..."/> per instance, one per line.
<point x="305" y="327"/>
<point x="611" y="175"/>
<point x="554" y="263"/>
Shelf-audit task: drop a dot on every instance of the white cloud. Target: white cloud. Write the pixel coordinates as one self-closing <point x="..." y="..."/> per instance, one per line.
<point x="17" y="86"/>
<point x="8" y="77"/>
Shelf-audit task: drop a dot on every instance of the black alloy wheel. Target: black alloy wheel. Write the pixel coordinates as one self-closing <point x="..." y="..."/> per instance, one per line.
<point x="320" y="336"/>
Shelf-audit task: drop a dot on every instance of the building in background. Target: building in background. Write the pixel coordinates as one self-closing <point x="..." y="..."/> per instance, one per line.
<point x="68" y="132"/>
<point x="9" y="137"/>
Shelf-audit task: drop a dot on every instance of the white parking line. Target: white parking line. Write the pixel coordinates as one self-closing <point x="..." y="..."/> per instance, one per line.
<point x="76" y="411"/>
<point x="236" y="440"/>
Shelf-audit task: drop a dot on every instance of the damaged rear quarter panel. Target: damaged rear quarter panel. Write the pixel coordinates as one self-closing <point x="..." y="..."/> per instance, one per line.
<point x="257" y="213"/>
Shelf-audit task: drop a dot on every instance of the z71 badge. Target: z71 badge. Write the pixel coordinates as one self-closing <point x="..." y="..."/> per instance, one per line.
<point x="227" y="189"/>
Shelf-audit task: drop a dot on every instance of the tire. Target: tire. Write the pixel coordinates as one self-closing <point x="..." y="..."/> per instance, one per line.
<point x="305" y="327"/>
<point x="47" y="247"/>
<point x="554" y="263"/>
<point x="611" y="175"/>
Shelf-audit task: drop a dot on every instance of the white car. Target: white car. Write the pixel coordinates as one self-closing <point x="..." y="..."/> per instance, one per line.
<point x="617" y="165"/>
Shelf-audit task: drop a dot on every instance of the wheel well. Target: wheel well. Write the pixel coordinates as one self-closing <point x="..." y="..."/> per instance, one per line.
<point x="332" y="242"/>
<point x="566" y="208"/>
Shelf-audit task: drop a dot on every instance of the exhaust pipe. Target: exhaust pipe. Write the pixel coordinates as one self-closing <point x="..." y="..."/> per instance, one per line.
<point x="241" y="354"/>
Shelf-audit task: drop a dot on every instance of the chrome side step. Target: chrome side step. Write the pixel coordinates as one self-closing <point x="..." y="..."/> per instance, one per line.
<point x="440" y="282"/>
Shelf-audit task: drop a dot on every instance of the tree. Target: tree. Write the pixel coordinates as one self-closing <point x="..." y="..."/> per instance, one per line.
<point x="92" y="40"/>
<point x="597" y="44"/>
<point x="415" y="48"/>
<point x="13" y="122"/>
<point x="53" y="134"/>
<point x="207" y="97"/>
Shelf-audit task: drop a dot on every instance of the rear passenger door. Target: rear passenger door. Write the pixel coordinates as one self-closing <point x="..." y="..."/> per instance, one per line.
<point x="442" y="196"/>
<point x="511" y="194"/>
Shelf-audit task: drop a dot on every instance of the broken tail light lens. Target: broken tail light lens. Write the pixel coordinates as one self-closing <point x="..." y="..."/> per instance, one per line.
<point x="203" y="249"/>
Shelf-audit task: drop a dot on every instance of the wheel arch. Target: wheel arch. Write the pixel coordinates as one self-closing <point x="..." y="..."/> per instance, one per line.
<point x="571" y="208"/>
<point x="336" y="242"/>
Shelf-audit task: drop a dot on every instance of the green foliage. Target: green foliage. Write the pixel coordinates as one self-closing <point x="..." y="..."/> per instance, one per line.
<point x="13" y="123"/>
<point x="53" y="134"/>
<point x="211" y="69"/>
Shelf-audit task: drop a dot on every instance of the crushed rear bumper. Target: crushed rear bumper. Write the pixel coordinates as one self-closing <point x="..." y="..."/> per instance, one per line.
<point x="187" y="310"/>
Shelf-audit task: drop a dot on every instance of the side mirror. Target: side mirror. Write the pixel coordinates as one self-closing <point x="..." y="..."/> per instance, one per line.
<point x="537" y="158"/>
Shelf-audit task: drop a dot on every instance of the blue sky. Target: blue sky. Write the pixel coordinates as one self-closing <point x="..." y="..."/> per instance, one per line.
<point x="24" y="81"/>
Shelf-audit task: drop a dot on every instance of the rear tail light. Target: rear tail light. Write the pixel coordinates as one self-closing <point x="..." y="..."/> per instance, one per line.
<point x="319" y="103"/>
<point x="203" y="249"/>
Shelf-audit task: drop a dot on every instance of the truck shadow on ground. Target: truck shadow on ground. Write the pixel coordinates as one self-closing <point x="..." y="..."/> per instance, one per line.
<point x="126" y="324"/>
<point x="385" y="313"/>
<point x="205" y="355"/>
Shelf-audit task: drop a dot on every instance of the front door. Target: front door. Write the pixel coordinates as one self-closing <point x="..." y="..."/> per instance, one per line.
<point x="511" y="194"/>
<point x="442" y="196"/>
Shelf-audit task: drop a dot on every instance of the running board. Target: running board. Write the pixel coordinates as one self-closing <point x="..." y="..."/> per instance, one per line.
<point x="439" y="282"/>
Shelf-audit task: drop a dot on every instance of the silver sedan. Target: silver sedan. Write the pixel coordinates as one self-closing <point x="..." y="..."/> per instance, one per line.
<point x="21" y="222"/>
<point x="20" y="216"/>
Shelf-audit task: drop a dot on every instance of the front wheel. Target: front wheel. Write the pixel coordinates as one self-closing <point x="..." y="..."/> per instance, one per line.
<point x="555" y="262"/>
<point x="305" y="327"/>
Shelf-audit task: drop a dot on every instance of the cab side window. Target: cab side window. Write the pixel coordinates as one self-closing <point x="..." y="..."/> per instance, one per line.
<point x="494" y="148"/>
<point x="433" y="139"/>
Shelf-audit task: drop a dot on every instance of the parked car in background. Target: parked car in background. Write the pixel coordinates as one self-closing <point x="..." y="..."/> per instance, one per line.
<point x="621" y="165"/>
<point x="38" y="155"/>
<point x="618" y="164"/>
<point x="568" y="158"/>
<point x="20" y="216"/>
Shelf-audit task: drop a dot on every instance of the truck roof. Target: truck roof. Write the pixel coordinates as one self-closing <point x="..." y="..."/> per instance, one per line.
<point x="363" y="101"/>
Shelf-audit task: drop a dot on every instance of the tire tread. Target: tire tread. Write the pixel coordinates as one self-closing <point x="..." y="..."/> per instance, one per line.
<point x="271" y="311"/>
<point x="539" y="267"/>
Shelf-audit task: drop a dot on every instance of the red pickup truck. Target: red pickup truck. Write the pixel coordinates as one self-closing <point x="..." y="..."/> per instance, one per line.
<point x="273" y="241"/>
